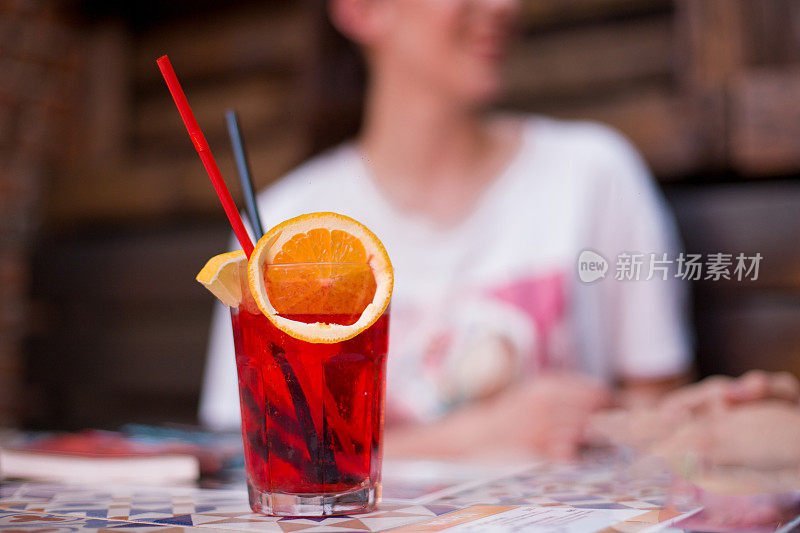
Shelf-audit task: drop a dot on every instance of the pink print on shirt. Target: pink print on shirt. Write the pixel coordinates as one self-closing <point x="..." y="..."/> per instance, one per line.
<point x="446" y="354"/>
<point x="543" y="300"/>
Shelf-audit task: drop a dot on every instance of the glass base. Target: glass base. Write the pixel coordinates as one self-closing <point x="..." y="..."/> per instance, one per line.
<point x="361" y="500"/>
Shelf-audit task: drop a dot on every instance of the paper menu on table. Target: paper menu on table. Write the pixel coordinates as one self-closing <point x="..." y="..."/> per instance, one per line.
<point x="481" y="518"/>
<point x="422" y="481"/>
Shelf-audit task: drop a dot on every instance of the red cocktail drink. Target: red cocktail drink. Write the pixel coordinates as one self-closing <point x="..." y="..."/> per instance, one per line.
<point x="309" y="304"/>
<point x="312" y="415"/>
<point x="310" y="315"/>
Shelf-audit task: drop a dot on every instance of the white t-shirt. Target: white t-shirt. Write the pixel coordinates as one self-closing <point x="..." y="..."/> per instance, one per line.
<point x="506" y="276"/>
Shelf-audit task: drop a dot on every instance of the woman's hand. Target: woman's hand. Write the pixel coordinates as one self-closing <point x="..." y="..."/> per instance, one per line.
<point x="719" y="392"/>
<point x="547" y="416"/>
<point x="643" y="427"/>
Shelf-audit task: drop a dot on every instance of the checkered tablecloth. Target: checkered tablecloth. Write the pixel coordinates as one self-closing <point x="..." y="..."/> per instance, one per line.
<point x="418" y="496"/>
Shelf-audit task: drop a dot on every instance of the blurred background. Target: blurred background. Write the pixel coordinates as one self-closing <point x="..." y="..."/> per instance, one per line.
<point x="107" y="214"/>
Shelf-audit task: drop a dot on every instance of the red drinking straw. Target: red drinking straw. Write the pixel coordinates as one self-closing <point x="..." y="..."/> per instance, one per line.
<point x="200" y="144"/>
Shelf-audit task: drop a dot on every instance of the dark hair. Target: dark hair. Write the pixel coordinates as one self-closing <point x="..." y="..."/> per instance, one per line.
<point x="337" y="84"/>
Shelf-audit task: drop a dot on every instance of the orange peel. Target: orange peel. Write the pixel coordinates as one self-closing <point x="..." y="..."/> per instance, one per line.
<point x="330" y="251"/>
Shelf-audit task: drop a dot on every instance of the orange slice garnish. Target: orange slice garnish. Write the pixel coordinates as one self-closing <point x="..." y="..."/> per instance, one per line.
<point x="316" y="265"/>
<point x="223" y="275"/>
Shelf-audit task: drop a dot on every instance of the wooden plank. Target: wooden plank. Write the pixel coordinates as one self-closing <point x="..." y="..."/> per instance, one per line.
<point x="261" y="102"/>
<point x="759" y="331"/>
<point x="73" y="406"/>
<point x="586" y="60"/>
<point x="146" y="357"/>
<point x="546" y="13"/>
<point x="78" y="408"/>
<point x="147" y="268"/>
<point x="126" y="296"/>
<point x="747" y="218"/>
<point x="773" y="31"/>
<point x="714" y="45"/>
<point x="163" y="186"/>
<point x="104" y="128"/>
<point x="258" y="38"/>
<point x="672" y="132"/>
<point x="765" y="121"/>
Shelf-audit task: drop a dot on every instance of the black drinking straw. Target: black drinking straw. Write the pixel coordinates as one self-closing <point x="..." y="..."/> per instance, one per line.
<point x="315" y="445"/>
<point x="240" y="154"/>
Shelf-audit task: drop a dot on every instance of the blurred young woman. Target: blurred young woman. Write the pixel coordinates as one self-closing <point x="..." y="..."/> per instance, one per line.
<point x="495" y="342"/>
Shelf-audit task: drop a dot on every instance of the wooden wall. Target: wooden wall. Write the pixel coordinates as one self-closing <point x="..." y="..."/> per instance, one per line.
<point x="133" y="159"/>
<point x="705" y="88"/>
<point x="131" y="215"/>
<point x="749" y="324"/>
<point x="698" y="85"/>
<point x="36" y="66"/>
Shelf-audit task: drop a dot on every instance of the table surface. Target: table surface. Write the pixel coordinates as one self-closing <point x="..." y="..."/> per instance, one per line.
<point x="592" y="495"/>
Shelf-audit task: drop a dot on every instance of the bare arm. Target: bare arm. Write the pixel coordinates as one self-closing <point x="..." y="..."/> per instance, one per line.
<point x="545" y="417"/>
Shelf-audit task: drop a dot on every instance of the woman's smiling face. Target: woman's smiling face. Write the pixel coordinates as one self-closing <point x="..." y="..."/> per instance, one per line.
<point x="454" y="47"/>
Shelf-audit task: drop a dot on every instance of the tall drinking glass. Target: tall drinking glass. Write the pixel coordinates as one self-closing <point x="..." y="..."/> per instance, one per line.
<point x="312" y="414"/>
